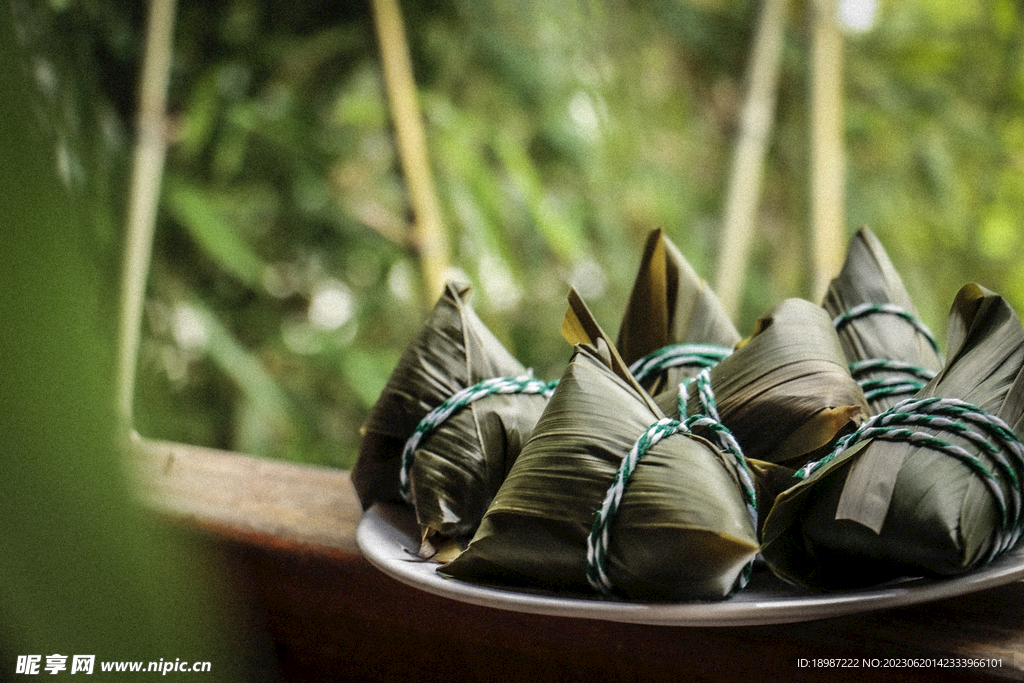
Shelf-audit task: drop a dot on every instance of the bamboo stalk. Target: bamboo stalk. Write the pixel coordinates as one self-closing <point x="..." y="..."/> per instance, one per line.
<point x="147" y="172"/>
<point x="828" y="190"/>
<point x="756" y="120"/>
<point x="427" y="232"/>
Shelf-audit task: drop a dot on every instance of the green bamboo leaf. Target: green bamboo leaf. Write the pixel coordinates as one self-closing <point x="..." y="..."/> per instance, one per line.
<point x="200" y="215"/>
<point x="240" y="364"/>
<point x="670" y="304"/>
<point x="563" y="235"/>
<point x="366" y="372"/>
<point x="84" y="568"/>
<point x="265" y="414"/>
<point x="868" y="277"/>
<point x="786" y="392"/>
<point x="199" y="117"/>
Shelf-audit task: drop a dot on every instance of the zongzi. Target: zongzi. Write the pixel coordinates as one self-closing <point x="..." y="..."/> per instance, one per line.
<point x="932" y="485"/>
<point x="786" y="392"/>
<point x="448" y="425"/>
<point x="675" y="514"/>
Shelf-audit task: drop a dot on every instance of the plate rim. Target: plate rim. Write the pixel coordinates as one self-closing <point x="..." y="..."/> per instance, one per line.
<point x="385" y="544"/>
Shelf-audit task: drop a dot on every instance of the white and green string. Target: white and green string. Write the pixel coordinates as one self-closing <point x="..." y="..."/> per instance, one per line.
<point x="903" y="422"/>
<point x="524" y="384"/>
<point x="909" y="378"/>
<point x="678" y="355"/>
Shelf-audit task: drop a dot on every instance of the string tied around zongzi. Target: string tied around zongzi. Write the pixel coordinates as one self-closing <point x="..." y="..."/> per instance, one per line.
<point x="678" y="355"/>
<point x="872" y="308"/>
<point x="987" y="433"/>
<point x="722" y="436"/>
<point x="901" y="378"/>
<point x="598" y="541"/>
<point x="524" y="384"/>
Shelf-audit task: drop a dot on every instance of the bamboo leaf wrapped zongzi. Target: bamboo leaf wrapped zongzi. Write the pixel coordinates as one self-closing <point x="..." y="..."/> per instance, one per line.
<point x="786" y="392"/>
<point x="451" y="419"/>
<point x="932" y="485"/>
<point x="675" y="514"/>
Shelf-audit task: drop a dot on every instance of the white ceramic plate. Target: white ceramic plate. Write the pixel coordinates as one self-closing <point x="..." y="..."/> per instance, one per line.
<point x="387" y="537"/>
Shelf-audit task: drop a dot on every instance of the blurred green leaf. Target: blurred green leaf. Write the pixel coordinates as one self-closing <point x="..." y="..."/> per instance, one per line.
<point x="83" y="569"/>
<point x="197" y="211"/>
<point x="563" y="237"/>
<point x="366" y="373"/>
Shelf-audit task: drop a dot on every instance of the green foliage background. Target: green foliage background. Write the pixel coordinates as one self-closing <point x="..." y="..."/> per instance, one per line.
<point x="83" y="569"/>
<point x="560" y="134"/>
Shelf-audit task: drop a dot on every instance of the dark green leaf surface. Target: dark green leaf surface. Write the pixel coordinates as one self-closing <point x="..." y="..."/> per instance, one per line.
<point x="786" y="392"/>
<point x="868" y="276"/>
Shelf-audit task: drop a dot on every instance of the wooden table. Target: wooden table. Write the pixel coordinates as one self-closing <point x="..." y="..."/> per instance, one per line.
<point x="286" y="536"/>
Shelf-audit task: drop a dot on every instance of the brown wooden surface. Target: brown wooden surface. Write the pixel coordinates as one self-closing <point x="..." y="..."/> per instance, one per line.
<point x="287" y="533"/>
